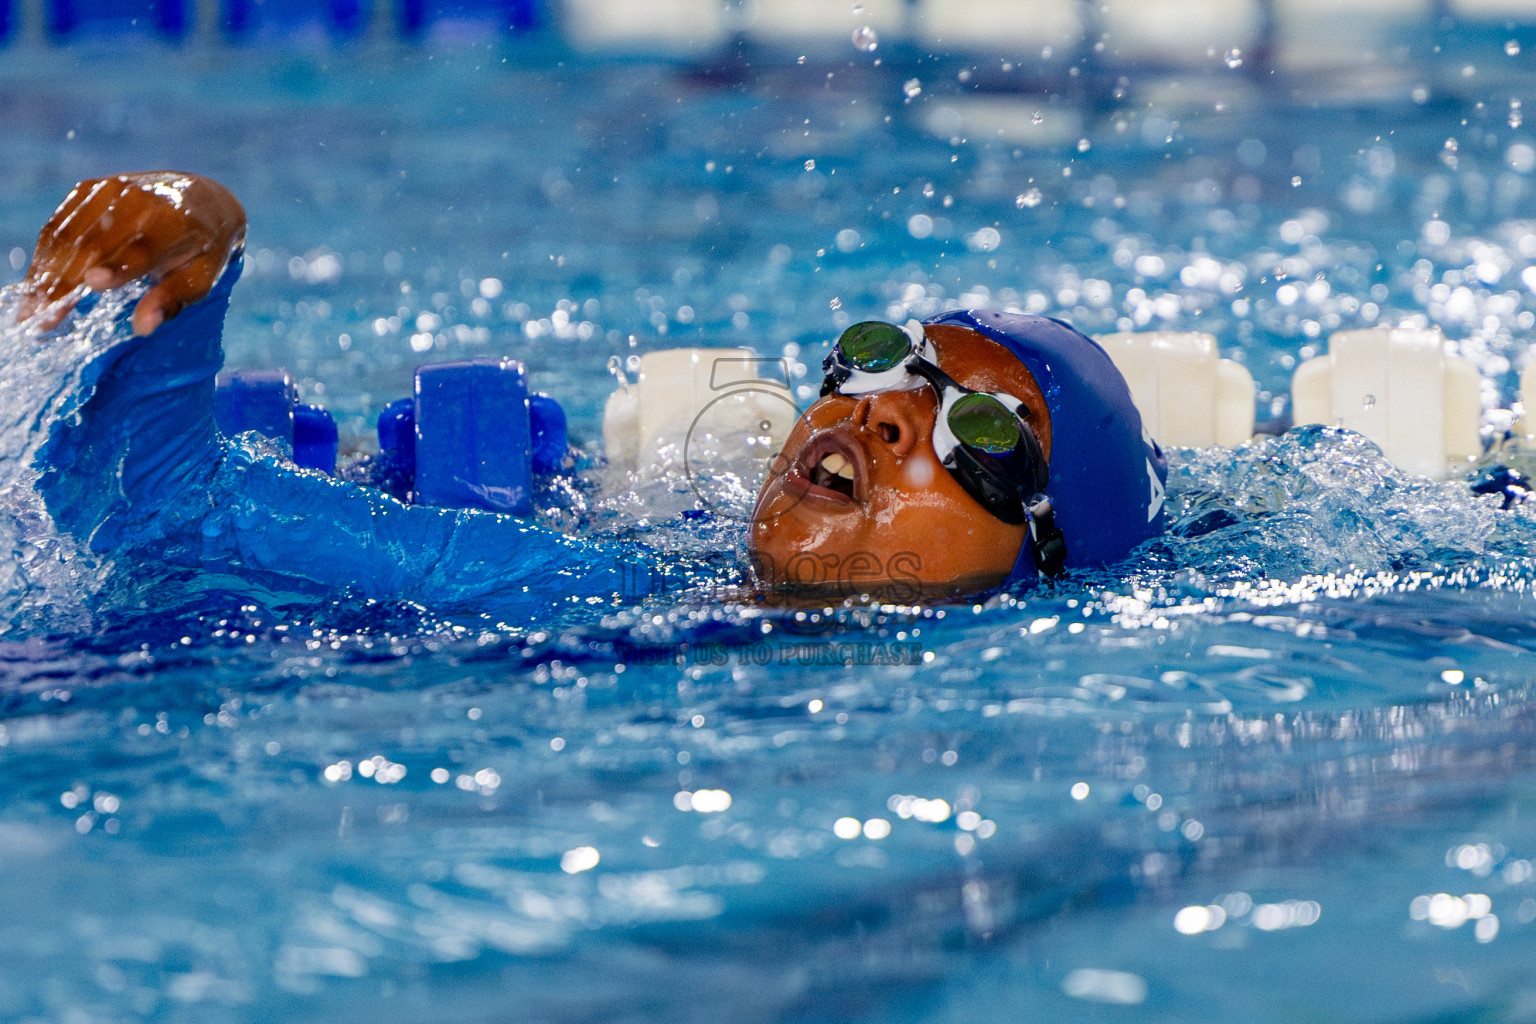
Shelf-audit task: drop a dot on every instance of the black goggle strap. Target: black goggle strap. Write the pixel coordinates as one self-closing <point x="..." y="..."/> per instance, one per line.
<point x="1046" y="540"/>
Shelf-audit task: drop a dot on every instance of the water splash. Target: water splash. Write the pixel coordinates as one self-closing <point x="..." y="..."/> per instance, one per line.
<point x="46" y="576"/>
<point x="1321" y="499"/>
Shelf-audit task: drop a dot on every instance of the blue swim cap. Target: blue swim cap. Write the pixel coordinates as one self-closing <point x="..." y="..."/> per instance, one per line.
<point x="1107" y="474"/>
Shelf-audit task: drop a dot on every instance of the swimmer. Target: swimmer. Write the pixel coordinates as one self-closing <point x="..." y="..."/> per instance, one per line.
<point x="970" y="451"/>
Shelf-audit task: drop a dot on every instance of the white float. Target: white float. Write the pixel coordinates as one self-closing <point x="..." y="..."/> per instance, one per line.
<point x="1398" y="387"/>
<point x="825" y="21"/>
<point x="694" y="408"/>
<point x="1188" y="31"/>
<point x="999" y="25"/>
<point x="645" y="25"/>
<point x="1187" y="394"/>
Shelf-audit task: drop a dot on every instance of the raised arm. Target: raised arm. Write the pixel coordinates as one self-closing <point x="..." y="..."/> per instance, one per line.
<point x="178" y="229"/>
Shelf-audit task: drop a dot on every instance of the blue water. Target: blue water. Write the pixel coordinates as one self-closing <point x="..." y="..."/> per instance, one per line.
<point x="1310" y="706"/>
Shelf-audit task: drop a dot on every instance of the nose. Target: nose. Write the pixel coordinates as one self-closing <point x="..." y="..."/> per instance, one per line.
<point x="892" y="416"/>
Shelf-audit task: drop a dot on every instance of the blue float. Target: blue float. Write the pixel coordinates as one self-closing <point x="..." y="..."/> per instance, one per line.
<point x="68" y="19"/>
<point x="266" y="401"/>
<point x="394" y="471"/>
<point x="550" y="447"/>
<point x="314" y="438"/>
<point x="259" y="400"/>
<point x="419" y="16"/>
<point x="473" y="436"/>
<point x="245" y="19"/>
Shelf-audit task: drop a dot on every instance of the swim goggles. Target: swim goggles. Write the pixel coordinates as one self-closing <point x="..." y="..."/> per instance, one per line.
<point x="983" y="438"/>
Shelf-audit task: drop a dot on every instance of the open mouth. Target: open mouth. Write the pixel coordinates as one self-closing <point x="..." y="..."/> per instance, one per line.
<point x="832" y="465"/>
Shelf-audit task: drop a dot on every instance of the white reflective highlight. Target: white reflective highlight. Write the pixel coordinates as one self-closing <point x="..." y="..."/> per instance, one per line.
<point x="876" y="828"/>
<point x="702" y="801"/>
<point x="916" y="807"/>
<point x="1120" y="988"/>
<point x="1271" y="917"/>
<point x="1197" y="919"/>
<point x="582" y="858"/>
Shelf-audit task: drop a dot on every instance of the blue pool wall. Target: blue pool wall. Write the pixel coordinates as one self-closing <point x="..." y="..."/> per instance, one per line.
<point x="1262" y="34"/>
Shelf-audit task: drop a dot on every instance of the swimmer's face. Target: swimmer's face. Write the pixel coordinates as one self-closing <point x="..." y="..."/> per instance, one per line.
<point x="863" y="503"/>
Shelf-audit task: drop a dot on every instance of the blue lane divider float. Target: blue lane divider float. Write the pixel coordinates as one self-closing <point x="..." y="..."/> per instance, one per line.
<point x="68" y="20"/>
<point x="419" y="16"/>
<point x="6" y="20"/>
<point x="73" y="18"/>
<point x="315" y="438"/>
<point x="471" y="437"/>
<point x="246" y="19"/>
<point x="394" y="471"/>
<point x="267" y="402"/>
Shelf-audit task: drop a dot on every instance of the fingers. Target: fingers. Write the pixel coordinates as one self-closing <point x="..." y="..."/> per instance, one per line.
<point x="177" y="228"/>
<point x="85" y="227"/>
<point x="135" y="258"/>
<point x="190" y="283"/>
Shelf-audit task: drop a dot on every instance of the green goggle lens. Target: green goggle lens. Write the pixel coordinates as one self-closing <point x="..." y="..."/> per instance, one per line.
<point x="873" y="346"/>
<point x="981" y="421"/>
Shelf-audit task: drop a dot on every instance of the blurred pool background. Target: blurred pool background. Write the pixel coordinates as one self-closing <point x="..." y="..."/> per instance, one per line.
<point x="1279" y="769"/>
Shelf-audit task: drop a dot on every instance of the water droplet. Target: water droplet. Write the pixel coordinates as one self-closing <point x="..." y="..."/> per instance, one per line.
<point x="1370" y="402"/>
<point x="1083" y="145"/>
<point x="1512" y="47"/>
<point x="1448" y="153"/>
<point x="858" y="8"/>
<point x="1516" y="115"/>
<point x="1234" y="58"/>
<point x="810" y="165"/>
<point x="1030" y="199"/>
<point x="1296" y="181"/>
<point x="865" y="39"/>
<point x="912" y="89"/>
<point x="1037" y="118"/>
<point x="836" y="303"/>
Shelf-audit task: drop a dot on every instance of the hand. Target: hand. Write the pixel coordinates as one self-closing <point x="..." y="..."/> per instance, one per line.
<point x="179" y="230"/>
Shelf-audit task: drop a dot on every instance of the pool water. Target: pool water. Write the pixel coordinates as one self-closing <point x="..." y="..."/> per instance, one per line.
<point x="1278" y="767"/>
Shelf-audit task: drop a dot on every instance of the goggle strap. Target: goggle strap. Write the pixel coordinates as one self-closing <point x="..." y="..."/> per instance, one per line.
<point x="1046" y="540"/>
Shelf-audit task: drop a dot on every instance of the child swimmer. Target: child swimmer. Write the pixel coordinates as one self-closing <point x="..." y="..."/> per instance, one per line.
<point x="974" y="450"/>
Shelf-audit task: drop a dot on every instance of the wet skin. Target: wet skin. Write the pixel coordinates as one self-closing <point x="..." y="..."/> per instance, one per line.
<point x="177" y="229"/>
<point x="900" y="524"/>
<point x="893" y="521"/>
